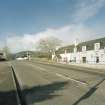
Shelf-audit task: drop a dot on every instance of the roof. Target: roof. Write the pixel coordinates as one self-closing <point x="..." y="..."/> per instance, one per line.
<point x="89" y="46"/>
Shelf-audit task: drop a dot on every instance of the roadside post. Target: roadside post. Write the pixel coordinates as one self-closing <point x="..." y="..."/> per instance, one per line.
<point x="75" y="49"/>
<point x="54" y="53"/>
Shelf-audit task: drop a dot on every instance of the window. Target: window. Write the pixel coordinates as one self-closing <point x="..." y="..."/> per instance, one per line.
<point x="102" y="55"/>
<point x="91" y="55"/>
<point x="83" y="48"/>
<point x="75" y="50"/>
<point x="96" y="46"/>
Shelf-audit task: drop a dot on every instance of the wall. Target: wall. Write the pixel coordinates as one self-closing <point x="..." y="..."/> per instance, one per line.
<point x="91" y="57"/>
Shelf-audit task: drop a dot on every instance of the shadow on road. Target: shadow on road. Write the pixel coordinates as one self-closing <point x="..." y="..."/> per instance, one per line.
<point x="45" y="92"/>
<point x="8" y="97"/>
<point x="89" y="93"/>
<point x="32" y="95"/>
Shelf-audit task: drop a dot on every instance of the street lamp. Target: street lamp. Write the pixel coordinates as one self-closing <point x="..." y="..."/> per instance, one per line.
<point x="75" y="48"/>
<point x="53" y="52"/>
<point x="76" y="42"/>
<point x="28" y="55"/>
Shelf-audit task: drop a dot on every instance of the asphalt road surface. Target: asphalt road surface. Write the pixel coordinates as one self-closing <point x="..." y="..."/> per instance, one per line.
<point x="47" y="84"/>
<point x="8" y="91"/>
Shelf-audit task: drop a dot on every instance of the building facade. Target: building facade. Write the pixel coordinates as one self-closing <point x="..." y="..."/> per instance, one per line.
<point x="92" y="52"/>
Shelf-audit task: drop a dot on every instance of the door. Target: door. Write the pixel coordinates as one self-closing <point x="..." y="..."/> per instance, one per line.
<point x="97" y="59"/>
<point x="84" y="59"/>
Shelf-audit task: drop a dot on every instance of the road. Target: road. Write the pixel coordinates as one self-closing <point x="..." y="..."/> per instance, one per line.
<point x="8" y="92"/>
<point x="47" y="84"/>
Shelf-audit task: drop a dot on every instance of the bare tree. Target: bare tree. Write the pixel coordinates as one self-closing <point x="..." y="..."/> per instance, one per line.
<point x="48" y="44"/>
<point x="7" y="52"/>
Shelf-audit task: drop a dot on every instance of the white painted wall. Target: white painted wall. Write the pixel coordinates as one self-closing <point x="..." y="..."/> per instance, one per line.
<point x="90" y="56"/>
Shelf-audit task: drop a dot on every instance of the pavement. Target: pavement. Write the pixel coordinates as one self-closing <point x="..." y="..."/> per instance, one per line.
<point x="57" y="84"/>
<point x="95" y="66"/>
<point x="8" y="92"/>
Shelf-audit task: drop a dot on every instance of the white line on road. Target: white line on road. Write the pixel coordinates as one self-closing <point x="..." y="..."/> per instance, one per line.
<point x="64" y="77"/>
<point x="59" y="75"/>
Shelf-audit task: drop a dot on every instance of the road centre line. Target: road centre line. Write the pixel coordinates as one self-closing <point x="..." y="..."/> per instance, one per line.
<point x="59" y="75"/>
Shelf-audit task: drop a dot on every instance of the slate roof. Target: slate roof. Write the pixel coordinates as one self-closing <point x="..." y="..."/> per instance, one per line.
<point x="89" y="46"/>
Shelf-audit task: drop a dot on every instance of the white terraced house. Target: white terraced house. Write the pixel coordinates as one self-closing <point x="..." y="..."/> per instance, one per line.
<point x="92" y="52"/>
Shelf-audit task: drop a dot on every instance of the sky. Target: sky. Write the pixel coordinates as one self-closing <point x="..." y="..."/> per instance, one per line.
<point x="24" y="22"/>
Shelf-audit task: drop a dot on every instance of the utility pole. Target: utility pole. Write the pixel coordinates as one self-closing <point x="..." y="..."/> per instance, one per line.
<point x="75" y="48"/>
<point x="54" y="53"/>
<point x="28" y="56"/>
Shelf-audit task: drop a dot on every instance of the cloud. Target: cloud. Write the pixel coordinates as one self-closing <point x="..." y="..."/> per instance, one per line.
<point x="1" y="44"/>
<point x="67" y="34"/>
<point x="86" y="9"/>
<point x="20" y="43"/>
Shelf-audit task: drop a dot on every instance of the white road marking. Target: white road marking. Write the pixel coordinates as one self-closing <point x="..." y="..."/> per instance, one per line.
<point x="68" y="78"/>
<point x="59" y="75"/>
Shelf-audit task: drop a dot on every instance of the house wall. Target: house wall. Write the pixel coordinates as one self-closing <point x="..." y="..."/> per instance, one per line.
<point x="92" y="57"/>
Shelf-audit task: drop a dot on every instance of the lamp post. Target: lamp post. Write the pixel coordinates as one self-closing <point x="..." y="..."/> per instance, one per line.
<point x="66" y="60"/>
<point x="97" y="47"/>
<point x="53" y="52"/>
<point x="75" y="48"/>
<point x="28" y="56"/>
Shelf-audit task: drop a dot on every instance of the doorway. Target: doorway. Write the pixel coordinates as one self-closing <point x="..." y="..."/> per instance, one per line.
<point x="84" y="59"/>
<point x="97" y="59"/>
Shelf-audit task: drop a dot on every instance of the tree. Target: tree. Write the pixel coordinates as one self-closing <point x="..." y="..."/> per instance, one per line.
<point x="7" y="52"/>
<point x="48" y="44"/>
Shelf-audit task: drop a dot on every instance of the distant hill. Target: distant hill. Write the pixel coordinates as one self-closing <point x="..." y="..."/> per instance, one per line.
<point x="69" y="48"/>
<point x="33" y="54"/>
<point x="88" y="44"/>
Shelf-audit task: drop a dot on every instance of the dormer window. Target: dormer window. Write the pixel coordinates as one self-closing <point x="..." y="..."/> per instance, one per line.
<point x="75" y="50"/>
<point x="96" y="46"/>
<point x="83" y="48"/>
